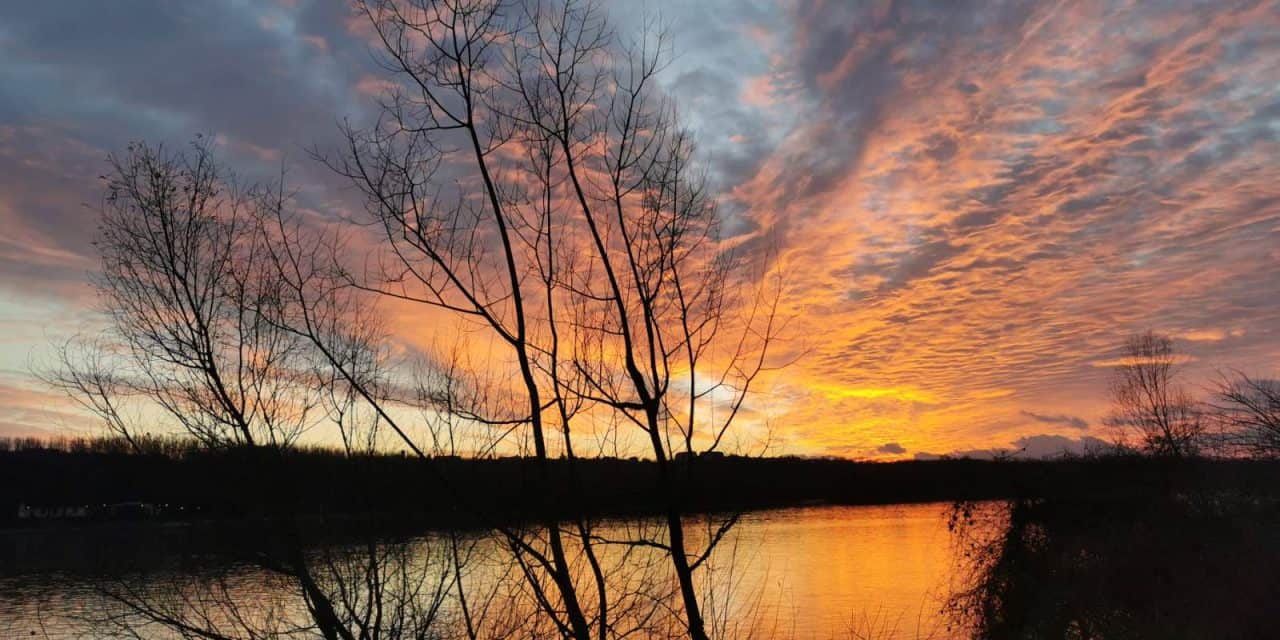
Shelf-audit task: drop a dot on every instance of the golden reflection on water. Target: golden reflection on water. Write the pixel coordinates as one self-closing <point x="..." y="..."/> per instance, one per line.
<point x="840" y="572"/>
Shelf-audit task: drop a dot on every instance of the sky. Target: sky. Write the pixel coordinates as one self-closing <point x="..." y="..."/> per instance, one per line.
<point x="973" y="202"/>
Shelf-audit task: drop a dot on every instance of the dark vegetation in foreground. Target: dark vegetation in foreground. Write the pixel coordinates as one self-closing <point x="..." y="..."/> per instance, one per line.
<point x="175" y="481"/>
<point x="1170" y="561"/>
<point x="1189" y="552"/>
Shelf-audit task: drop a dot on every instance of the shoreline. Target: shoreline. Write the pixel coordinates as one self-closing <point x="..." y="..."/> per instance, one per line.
<point x="393" y="492"/>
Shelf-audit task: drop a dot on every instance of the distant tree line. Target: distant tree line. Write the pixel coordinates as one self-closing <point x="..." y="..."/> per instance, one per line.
<point x="396" y="489"/>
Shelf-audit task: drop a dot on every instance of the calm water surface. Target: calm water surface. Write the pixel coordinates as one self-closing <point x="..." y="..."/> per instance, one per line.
<point x="814" y="572"/>
<point x="853" y="571"/>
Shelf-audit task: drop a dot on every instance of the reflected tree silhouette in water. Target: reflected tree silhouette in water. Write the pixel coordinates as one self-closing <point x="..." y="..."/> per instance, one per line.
<point x="378" y="590"/>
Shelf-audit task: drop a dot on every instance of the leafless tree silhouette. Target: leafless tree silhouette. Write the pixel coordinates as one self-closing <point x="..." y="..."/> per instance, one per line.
<point x="1148" y="400"/>
<point x="532" y="194"/>
<point x="1248" y="411"/>
<point x="528" y="180"/>
<point x="650" y="306"/>
<point x="199" y="328"/>
<point x="373" y="590"/>
<point x="87" y="372"/>
<point x="187" y="298"/>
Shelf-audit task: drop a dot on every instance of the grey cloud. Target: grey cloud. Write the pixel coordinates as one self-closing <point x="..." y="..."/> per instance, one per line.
<point x="715" y="56"/>
<point x="165" y="70"/>
<point x="81" y="79"/>
<point x="941" y="147"/>
<point x="891" y="448"/>
<point x="876" y="47"/>
<point x="1062" y="419"/>
<point x="1030" y="447"/>
<point x="1047" y="446"/>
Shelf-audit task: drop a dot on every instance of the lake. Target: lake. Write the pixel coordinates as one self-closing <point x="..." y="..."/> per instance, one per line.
<point x="814" y="572"/>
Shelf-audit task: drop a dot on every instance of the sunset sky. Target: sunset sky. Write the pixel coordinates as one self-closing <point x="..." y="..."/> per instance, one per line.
<point x="973" y="202"/>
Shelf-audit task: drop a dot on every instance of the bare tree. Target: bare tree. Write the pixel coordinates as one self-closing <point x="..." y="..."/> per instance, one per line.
<point x="87" y="371"/>
<point x="653" y="302"/>
<point x="459" y="253"/>
<point x="1248" y="410"/>
<point x="199" y="326"/>
<point x="528" y="183"/>
<point x="187" y="300"/>
<point x="582" y="238"/>
<point x="1147" y="399"/>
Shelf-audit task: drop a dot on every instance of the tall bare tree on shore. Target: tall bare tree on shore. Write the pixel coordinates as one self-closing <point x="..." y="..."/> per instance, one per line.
<point x="653" y="305"/>
<point x="1148" y="400"/>
<point x="526" y="181"/>
<point x="581" y="237"/>
<point x="187" y="298"/>
<point x="198" y="328"/>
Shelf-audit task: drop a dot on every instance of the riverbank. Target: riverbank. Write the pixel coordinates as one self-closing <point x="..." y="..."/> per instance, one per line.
<point x="1177" y="566"/>
<point x="67" y="488"/>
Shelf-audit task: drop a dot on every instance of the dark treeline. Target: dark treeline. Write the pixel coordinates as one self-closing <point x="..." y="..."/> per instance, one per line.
<point x="199" y="483"/>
